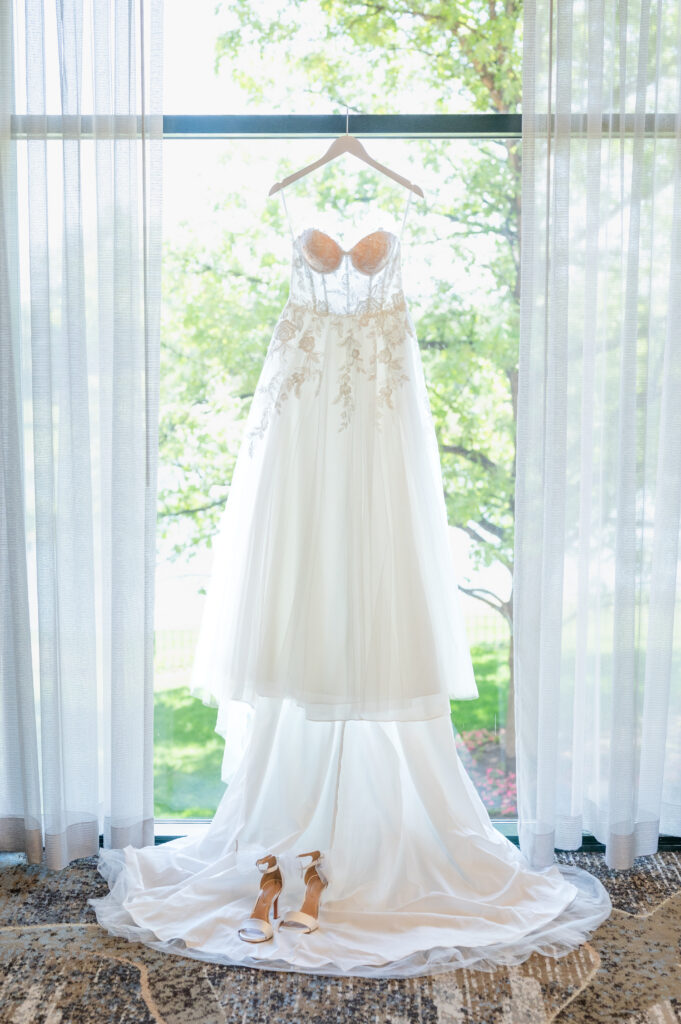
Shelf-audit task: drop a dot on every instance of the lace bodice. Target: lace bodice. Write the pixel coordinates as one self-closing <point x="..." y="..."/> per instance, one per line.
<point x="345" y="327"/>
<point x="329" y="279"/>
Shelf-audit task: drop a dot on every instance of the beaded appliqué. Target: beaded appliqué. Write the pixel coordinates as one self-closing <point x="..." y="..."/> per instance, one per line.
<point x="288" y="336"/>
<point x="387" y="327"/>
<point x="373" y="338"/>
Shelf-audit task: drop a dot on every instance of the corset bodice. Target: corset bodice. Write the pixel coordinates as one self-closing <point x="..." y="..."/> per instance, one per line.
<point x="329" y="279"/>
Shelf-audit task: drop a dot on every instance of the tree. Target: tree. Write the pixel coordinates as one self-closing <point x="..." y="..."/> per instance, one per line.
<point x="376" y="57"/>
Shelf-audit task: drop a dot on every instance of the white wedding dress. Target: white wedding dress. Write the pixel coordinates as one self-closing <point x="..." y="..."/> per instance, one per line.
<point x="331" y="642"/>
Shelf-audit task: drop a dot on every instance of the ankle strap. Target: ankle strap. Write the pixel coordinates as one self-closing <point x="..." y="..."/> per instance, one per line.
<point x="267" y="864"/>
<point x="317" y="859"/>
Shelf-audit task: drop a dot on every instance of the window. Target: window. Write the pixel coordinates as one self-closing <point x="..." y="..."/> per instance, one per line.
<point x="280" y="69"/>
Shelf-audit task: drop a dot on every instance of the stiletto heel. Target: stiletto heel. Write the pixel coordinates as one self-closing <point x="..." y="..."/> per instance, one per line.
<point x="258" y="928"/>
<point x="305" y="919"/>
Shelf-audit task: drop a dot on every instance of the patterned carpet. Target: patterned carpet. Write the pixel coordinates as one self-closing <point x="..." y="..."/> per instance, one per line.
<point x="60" y="967"/>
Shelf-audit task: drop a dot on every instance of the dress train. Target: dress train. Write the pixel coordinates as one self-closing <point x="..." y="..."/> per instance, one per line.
<point x="420" y="881"/>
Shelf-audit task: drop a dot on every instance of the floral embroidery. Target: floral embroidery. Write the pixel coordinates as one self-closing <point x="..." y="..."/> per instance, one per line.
<point x="353" y="364"/>
<point x="307" y="342"/>
<point x="284" y="332"/>
<point x="387" y="327"/>
<point x="273" y="394"/>
<point x="373" y="338"/>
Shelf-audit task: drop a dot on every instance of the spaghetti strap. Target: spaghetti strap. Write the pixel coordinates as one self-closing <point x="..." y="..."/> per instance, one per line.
<point x="288" y="217"/>
<point x="406" y="211"/>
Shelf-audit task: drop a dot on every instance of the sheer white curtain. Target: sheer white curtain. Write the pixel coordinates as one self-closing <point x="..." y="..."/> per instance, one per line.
<point x="597" y="606"/>
<point x="79" y="312"/>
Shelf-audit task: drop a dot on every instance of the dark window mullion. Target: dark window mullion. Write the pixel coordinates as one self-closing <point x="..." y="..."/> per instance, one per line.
<point x="278" y="126"/>
<point x="402" y="126"/>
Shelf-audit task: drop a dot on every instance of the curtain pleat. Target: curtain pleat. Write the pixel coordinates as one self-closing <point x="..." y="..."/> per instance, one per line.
<point x="598" y="489"/>
<point x="89" y="346"/>
<point x="21" y="819"/>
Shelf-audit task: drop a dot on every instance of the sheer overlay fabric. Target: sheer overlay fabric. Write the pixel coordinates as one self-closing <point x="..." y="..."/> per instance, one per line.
<point x="597" y="579"/>
<point x="80" y="292"/>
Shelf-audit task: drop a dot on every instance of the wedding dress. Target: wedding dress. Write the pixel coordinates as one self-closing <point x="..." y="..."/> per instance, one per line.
<point x="331" y="643"/>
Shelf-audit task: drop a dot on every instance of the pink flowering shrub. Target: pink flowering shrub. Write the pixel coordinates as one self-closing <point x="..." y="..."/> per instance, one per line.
<point x="496" y="785"/>
<point x="477" y="737"/>
<point x="497" y="790"/>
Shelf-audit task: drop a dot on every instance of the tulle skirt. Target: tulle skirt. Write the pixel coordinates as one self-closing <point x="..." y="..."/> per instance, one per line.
<point x="331" y="642"/>
<point x="419" y="880"/>
<point x="332" y="582"/>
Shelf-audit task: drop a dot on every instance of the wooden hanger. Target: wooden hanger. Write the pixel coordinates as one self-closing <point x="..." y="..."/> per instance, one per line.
<point x="346" y="144"/>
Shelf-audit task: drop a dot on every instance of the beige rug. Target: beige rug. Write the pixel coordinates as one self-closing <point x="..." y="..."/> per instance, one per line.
<point x="60" y="967"/>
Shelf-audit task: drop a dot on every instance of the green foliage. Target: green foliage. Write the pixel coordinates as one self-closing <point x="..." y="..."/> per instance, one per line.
<point x="218" y="311"/>
<point x="367" y="51"/>
<point x="187" y="756"/>
<point x="490" y="665"/>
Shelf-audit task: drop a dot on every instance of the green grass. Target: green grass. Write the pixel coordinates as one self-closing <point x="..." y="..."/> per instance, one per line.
<point x="490" y="664"/>
<point x="188" y="751"/>
<point x="187" y="756"/>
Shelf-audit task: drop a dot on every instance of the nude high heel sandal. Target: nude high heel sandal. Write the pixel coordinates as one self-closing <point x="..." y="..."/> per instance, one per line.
<point x="305" y="919"/>
<point x="258" y="928"/>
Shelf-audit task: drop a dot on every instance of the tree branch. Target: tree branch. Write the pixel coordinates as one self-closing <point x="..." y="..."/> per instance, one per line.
<point x="479" y="539"/>
<point x="210" y="268"/>
<point x="473" y="534"/>
<point x="454" y="28"/>
<point x="497" y="604"/>
<point x="470" y="454"/>
<point x="498" y="531"/>
<point x="192" y="511"/>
